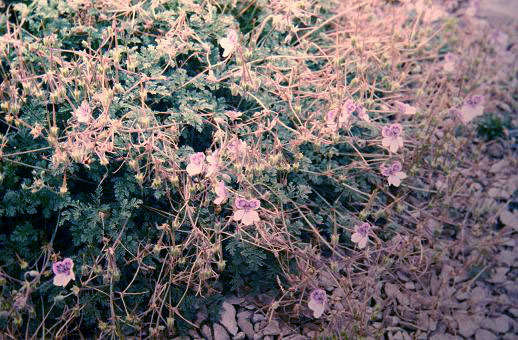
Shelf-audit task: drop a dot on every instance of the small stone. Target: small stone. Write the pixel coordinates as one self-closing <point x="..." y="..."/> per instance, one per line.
<point x="295" y="337"/>
<point x="496" y="150"/>
<point x="268" y="337"/>
<point x="206" y="332"/>
<point x="220" y="333"/>
<point x="272" y="328"/>
<point x="514" y="312"/>
<point x="240" y="336"/>
<point x="499" y="275"/>
<point x="246" y="314"/>
<point x="201" y="316"/>
<point x="234" y="300"/>
<point x="483" y="334"/>
<point x="246" y="326"/>
<point x="410" y="285"/>
<point x="462" y="296"/>
<point x="192" y="332"/>
<point x="228" y="318"/>
<point x="257" y="317"/>
<point x="258" y="336"/>
<point x="183" y="337"/>
<point x="258" y="326"/>
<point x="467" y="326"/>
<point x="497" y="325"/>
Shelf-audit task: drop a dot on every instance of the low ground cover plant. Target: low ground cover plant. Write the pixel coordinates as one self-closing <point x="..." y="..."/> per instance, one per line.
<point x="157" y="155"/>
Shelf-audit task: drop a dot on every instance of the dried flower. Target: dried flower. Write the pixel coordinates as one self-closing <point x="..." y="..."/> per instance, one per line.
<point x="229" y="43"/>
<point x="361" y="234"/>
<point x="63" y="271"/>
<point x="473" y="107"/>
<point x="246" y="211"/>
<point x="221" y="193"/>
<point x="317" y="302"/>
<point x="405" y="108"/>
<point x="83" y="114"/>
<point x="392" y="137"/>
<point x="196" y="164"/>
<point x="393" y="172"/>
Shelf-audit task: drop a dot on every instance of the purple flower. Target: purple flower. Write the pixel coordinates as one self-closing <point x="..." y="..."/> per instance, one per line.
<point x="246" y="211"/>
<point x="63" y="271"/>
<point x="392" y="137"/>
<point x="317" y="302"/>
<point x="361" y="234"/>
<point x="393" y="172"/>
<point x="473" y="107"/>
<point x="196" y="164"/>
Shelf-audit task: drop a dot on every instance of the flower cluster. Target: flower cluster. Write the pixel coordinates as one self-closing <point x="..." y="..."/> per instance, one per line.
<point x="392" y="138"/>
<point x="393" y="172"/>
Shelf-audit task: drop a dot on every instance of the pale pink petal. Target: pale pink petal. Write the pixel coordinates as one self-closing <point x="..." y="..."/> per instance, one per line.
<point x="238" y="215"/>
<point x="62" y="279"/>
<point x="356" y="237"/>
<point x="363" y="242"/>
<point x="250" y="217"/>
<point x="317" y="308"/>
<point x="394" y="145"/>
<point x="401" y="175"/>
<point x="385" y="142"/>
<point x="394" y="180"/>
<point x="193" y="169"/>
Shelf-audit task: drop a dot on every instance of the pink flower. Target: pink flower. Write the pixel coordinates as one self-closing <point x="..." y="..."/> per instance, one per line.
<point x="405" y="108"/>
<point x="392" y="137"/>
<point x="63" y="271"/>
<point x="473" y="107"/>
<point x="214" y="163"/>
<point x="229" y="43"/>
<point x="196" y="164"/>
<point x="83" y="114"/>
<point x="317" y="302"/>
<point x="221" y="193"/>
<point x="361" y="234"/>
<point x="393" y="172"/>
<point x="246" y="211"/>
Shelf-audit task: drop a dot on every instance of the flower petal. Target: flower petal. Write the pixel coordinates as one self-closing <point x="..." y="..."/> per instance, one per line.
<point x="250" y="217"/>
<point x="238" y="215"/>
<point x="62" y="280"/>
<point x="317" y="308"/>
